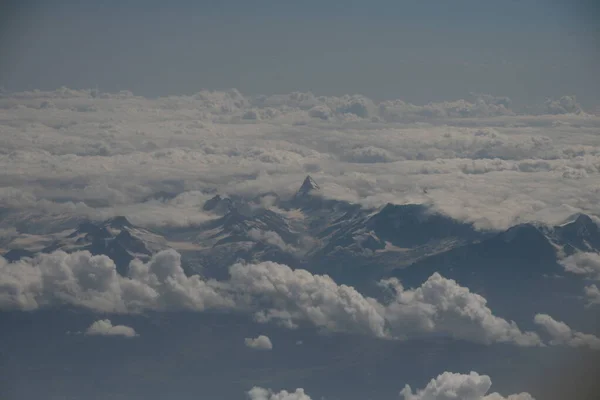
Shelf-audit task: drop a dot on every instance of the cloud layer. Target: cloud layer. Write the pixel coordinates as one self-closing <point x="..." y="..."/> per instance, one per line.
<point x="267" y="290"/>
<point x="66" y="152"/>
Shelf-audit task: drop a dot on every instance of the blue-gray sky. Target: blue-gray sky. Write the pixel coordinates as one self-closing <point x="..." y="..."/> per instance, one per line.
<point x="419" y="51"/>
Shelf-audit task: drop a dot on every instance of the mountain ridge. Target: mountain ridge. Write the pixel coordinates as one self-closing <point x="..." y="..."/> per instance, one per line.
<point x="350" y="243"/>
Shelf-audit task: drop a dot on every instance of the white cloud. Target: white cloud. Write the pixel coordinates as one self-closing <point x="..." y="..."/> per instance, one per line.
<point x="271" y="238"/>
<point x="453" y="386"/>
<point x="258" y="393"/>
<point x="441" y="305"/>
<point x="592" y="294"/>
<point x="398" y="110"/>
<point x="261" y="342"/>
<point x="298" y="295"/>
<point x="564" y="105"/>
<point x="269" y="291"/>
<point x="493" y="171"/>
<point x="367" y="154"/>
<point x="446" y="386"/>
<point x="92" y="282"/>
<point x="104" y="327"/>
<point x="561" y="334"/>
<point x="583" y="264"/>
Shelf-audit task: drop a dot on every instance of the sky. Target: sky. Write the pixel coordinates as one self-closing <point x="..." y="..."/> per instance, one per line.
<point x="418" y="51"/>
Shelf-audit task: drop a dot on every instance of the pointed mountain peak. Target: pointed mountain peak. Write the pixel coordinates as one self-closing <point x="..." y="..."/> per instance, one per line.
<point x="577" y="221"/>
<point x="308" y="186"/>
<point x="583" y="220"/>
<point x="218" y="205"/>
<point x="212" y="203"/>
<point x="525" y="234"/>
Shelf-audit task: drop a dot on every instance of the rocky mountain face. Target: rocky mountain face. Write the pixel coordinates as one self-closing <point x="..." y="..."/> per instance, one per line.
<point x="117" y="238"/>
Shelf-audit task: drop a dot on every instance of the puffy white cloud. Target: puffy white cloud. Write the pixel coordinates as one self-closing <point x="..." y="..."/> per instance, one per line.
<point x="561" y="334"/>
<point x="104" y="327"/>
<point x="564" y="105"/>
<point x="81" y="279"/>
<point x="322" y="112"/>
<point x="446" y="386"/>
<point x="441" y="305"/>
<point x="258" y="393"/>
<point x="297" y="295"/>
<point x="359" y="106"/>
<point x="583" y="264"/>
<point x="269" y="291"/>
<point x="453" y="386"/>
<point x="592" y="294"/>
<point x="171" y="288"/>
<point x="261" y="342"/>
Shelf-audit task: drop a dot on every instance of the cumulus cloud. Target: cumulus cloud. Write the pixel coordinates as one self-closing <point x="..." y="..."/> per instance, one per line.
<point x="592" y="294"/>
<point x="261" y="342"/>
<point x="587" y="264"/>
<point x="359" y="106"/>
<point x="259" y="393"/>
<point x="81" y="279"/>
<point x="561" y="334"/>
<point x="450" y="385"/>
<point x="268" y="290"/>
<point x="104" y="327"/>
<point x="441" y="305"/>
<point x="322" y="112"/>
<point x="296" y="295"/>
<point x="564" y="105"/>
<point x="446" y="386"/>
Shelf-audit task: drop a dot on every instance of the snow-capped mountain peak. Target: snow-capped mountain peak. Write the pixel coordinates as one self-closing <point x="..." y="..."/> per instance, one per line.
<point x="309" y="185"/>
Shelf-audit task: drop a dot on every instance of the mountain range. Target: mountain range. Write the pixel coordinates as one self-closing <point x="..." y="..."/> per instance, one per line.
<point x="353" y="245"/>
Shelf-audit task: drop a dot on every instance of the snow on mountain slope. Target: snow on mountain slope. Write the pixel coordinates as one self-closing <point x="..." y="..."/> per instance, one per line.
<point x="580" y="233"/>
<point x="522" y="261"/>
<point x="115" y="237"/>
<point x="354" y="245"/>
<point x="351" y="244"/>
